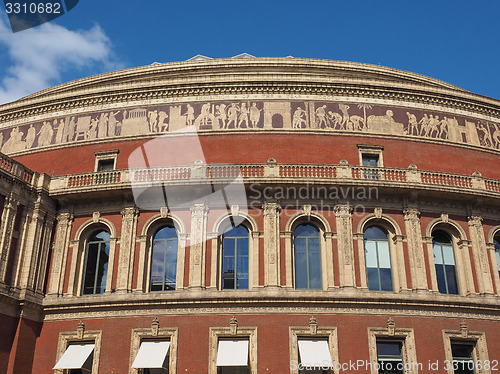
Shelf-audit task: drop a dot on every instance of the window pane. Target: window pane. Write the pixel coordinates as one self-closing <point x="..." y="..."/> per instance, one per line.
<point x="440" y="274"/>
<point x="166" y="233"/>
<point x="370" y="160"/>
<point x="373" y="281"/>
<point x="171" y="264"/>
<point x="228" y="263"/>
<point x="102" y="267"/>
<point x="371" y="254"/>
<point x="463" y="358"/>
<point x="157" y="265"/>
<point x="238" y="231"/>
<point x="301" y="275"/>
<point x="384" y="257"/>
<point x="375" y="232"/>
<point x="389" y="348"/>
<point x="438" y="254"/>
<point x="306" y="230"/>
<point x="462" y="350"/>
<point x="449" y="258"/>
<point x="385" y="280"/>
<point x="314" y="255"/>
<point x="96" y="263"/>
<point x="451" y="279"/>
<point x="497" y="251"/>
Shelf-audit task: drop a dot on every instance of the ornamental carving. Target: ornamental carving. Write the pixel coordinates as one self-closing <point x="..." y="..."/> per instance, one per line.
<point x="250" y="116"/>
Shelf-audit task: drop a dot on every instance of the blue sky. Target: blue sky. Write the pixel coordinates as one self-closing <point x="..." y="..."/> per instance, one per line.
<point x="455" y="41"/>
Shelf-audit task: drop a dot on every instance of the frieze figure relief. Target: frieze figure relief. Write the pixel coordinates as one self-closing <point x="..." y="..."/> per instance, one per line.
<point x="251" y="115"/>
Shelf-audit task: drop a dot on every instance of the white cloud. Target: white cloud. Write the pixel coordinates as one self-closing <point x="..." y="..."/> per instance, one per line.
<point x="40" y="55"/>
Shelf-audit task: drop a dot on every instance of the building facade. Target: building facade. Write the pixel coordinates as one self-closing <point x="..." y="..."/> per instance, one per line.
<point x="250" y="215"/>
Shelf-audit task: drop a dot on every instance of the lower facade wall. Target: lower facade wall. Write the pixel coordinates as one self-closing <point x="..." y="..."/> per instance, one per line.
<point x="272" y="339"/>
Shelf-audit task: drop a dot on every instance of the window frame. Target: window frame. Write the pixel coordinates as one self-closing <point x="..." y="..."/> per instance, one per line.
<point x="105" y="155"/>
<point x="464" y="336"/>
<point x="151" y="254"/>
<point x="404" y="335"/>
<point x="328" y="333"/>
<point x="454" y="249"/>
<point x="294" y="262"/>
<point x="221" y="257"/>
<point x="388" y="240"/>
<point x="152" y="334"/>
<point x="68" y="337"/>
<point x="236" y="333"/>
<point x="371" y="150"/>
<point x="85" y="260"/>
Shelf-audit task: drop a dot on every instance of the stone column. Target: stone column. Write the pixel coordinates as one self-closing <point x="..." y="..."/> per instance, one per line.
<point x="343" y="218"/>
<point x="480" y="254"/>
<point x="60" y="253"/>
<point x="271" y="244"/>
<point x="329" y="279"/>
<point x="127" y="249"/>
<point x="197" y="249"/>
<point x="416" y="257"/>
<point x="6" y="231"/>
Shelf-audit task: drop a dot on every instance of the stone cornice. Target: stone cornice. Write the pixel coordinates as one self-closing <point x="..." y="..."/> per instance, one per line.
<point x="280" y="301"/>
<point x="248" y="76"/>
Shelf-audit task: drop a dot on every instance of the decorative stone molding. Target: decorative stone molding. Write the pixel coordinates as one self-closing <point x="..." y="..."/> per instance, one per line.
<point x="60" y="256"/>
<point x="480" y="253"/>
<point x="127" y="249"/>
<point x="343" y="215"/>
<point x="233" y="332"/>
<point x="96" y="216"/>
<point x="6" y="232"/>
<point x="378" y="212"/>
<point x="197" y="249"/>
<point x="271" y="244"/>
<point x="164" y="211"/>
<point x="155" y="332"/>
<point x="313" y="331"/>
<point x="416" y="254"/>
<point x="405" y="335"/>
<point x="80" y="335"/>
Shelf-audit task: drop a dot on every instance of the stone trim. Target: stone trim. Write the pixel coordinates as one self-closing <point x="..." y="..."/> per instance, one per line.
<point x="404" y="335"/>
<point x="155" y="333"/>
<point x="233" y="331"/>
<point x="478" y="339"/>
<point x="67" y="337"/>
<point x="313" y="331"/>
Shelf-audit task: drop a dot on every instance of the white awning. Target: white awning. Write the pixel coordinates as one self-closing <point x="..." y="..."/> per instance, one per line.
<point x="75" y="356"/>
<point x="232" y="353"/>
<point x="151" y="355"/>
<point x="315" y="353"/>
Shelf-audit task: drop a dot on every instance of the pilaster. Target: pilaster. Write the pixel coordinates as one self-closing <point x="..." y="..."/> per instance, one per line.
<point x="480" y="254"/>
<point x="60" y="254"/>
<point x="197" y="249"/>
<point x="271" y="244"/>
<point x="416" y="257"/>
<point x="127" y="249"/>
<point x="343" y="215"/>
<point x="6" y="231"/>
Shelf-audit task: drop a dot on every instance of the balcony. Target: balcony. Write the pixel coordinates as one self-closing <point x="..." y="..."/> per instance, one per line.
<point x="273" y="172"/>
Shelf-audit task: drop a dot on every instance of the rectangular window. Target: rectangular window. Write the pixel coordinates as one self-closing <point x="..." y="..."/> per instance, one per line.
<point x="153" y="357"/>
<point x="390" y="357"/>
<point x="463" y="358"/>
<point x="232" y="356"/>
<point x="314" y="356"/>
<point x="370" y="161"/>
<point x="77" y="358"/>
<point x="106" y="165"/>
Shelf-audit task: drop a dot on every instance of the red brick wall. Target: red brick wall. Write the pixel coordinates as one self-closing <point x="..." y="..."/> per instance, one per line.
<point x="285" y="148"/>
<point x="273" y="335"/>
<point x="8" y="326"/>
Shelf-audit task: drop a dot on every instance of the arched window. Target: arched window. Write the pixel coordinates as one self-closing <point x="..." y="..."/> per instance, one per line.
<point x="496" y="240"/>
<point x="307" y="257"/>
<point x="444" y="259"/>
<point x="378" y="259"/>
<point x="96" y="263"/>
<point x="164" y="260"/>
<point x="235" y="258"/>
